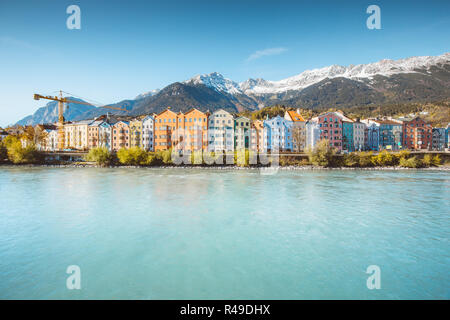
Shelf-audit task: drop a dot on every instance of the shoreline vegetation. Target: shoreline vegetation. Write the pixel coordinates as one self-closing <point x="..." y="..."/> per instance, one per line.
<point x="321" y="157"/>
<point x="227" y="167"/>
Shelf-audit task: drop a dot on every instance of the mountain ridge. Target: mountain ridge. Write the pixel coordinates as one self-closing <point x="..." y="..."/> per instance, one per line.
<point x="414" y="79"/>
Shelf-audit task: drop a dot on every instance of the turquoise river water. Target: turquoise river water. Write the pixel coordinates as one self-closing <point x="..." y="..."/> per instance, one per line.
<point x="223" y="234"/>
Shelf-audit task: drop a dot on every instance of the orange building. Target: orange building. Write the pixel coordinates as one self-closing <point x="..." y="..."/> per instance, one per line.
<point x="93" y="134"/>
<point x="173" y="128"/>
<point x="195" y="126"/>
<point x="165" y="125"/>
<point x="258" y="139"/>
<point x="120" y="135"/>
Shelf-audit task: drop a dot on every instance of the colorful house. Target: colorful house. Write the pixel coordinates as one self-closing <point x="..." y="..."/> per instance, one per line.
<point x="279" y="134"/>
<point x="193" y="130"/>
<point x="390" y="134"/>
<point x="93" y="133"/>
<point x="373" y="134"/>
<point x="48" y="134"/>
<point x="417" y="134"/>
<point x="165" y="125"/>
<point x="298" y="130"/>
<point x="347" y="136"/>
<point x="220" y="131"/>
<point x="331" y="125"/>
<point x="105" y="135"/>
<point x="447" y="136"/>
<point x="438" y="139"/>
<point x="76" y="135"/>
<point x="312" y="133"/>
<point x="120" y="135"/>
<point x="242" y="133"/>
<point x="259" y="136"/>
<point x="359" y="129"/>
<point x="135" y="133"/>
<point x="147" y="133"/>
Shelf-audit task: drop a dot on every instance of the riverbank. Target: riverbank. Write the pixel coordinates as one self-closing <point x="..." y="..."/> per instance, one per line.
<point x="229" y="167"/>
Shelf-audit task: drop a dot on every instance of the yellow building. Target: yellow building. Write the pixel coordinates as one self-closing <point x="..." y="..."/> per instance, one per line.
<point x="136" y="133"/>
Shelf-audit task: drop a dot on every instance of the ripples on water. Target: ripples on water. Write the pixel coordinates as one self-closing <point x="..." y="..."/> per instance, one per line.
<point x="206" y="234"/>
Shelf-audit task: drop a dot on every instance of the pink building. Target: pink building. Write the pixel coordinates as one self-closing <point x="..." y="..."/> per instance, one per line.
<point x="330" y="125"/>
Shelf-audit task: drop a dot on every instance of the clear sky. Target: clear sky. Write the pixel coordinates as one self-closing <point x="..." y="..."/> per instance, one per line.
<point x="125" y="48"/>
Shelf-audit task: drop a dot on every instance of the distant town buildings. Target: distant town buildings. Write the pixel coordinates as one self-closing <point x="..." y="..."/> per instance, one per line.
<point x="220" y="131"/>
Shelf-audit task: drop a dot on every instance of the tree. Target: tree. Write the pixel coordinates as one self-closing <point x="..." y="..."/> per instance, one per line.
<point x="100" y="155"/>
<point x="298" y="138"/>
<point x="412" y="162"/>
<point x="3" y="152"/>
<point x="134" y="156"/>
<point x="18" y="154"/>
<point x="427" y="160"/>
<point x="384" y="158"/>
<point x="322" y="154"/>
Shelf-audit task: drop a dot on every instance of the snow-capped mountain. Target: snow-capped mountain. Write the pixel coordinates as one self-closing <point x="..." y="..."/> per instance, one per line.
<point x="147" y="94"/>
<point x="307" y="78"/>
<point x="416" y="79"/>
<point x="216" y="81"/>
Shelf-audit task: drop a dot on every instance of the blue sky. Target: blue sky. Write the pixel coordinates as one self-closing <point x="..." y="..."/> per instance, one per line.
<point x="125" y="48"/>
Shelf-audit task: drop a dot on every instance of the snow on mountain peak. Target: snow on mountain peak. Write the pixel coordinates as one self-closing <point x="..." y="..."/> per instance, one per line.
<point x="216" y="81"/>
<point x="147" y="94"/>
<point x="385" y="67"/>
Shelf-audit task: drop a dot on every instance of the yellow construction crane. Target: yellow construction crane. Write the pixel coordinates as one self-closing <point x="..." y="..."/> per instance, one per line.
<point x="61" y="100"/>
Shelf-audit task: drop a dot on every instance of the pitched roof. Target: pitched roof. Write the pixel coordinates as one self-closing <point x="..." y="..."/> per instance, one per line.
<point x="194" y="109"/>
<point x="295" y="116"/>
<point x="167" y="110"/>
<point x="339" y="114"/>
<point x="388" y="122"/>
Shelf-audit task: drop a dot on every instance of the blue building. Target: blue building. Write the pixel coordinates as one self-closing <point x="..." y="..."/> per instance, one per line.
<point x="279" y="133"/>
<point x="438" y="139"/>
<point x="447" y="136"/>
<point x="347" y="136"/>
<point x="390" y="134"/>
<point x="373" y="134"/>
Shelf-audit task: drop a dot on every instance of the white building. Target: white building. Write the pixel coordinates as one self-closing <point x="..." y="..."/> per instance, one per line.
<point x="220" y="131"/>
<point x="76" y="135"/>
<point x="312" y="133"/>
<point x="147" y="133"/>
<point x="358" y="135"/>
<point x="51" y="143"/>
<point x="104" y="135"/>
